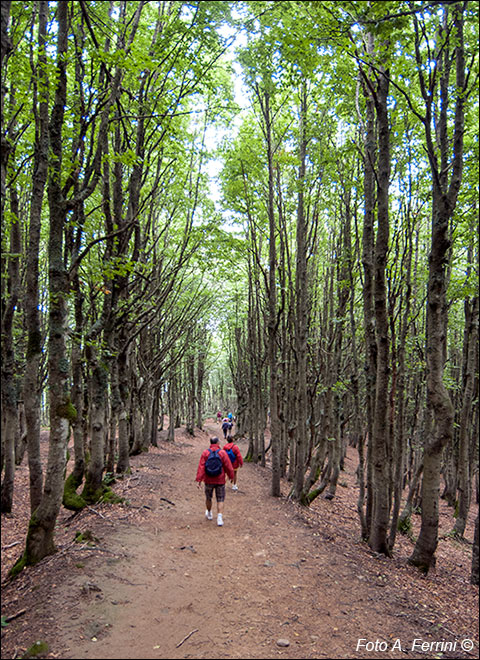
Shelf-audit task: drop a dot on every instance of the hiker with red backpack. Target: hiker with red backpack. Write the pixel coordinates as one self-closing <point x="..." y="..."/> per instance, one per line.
<point x="235" y="457"/>
<point x="214" y="464"/>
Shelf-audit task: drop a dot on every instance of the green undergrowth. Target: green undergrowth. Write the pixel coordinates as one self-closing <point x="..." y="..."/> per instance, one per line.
<point x="37" y="648"/>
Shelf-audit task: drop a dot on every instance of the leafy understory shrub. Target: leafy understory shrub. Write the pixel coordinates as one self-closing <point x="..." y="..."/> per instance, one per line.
<point x="36" y="648"/>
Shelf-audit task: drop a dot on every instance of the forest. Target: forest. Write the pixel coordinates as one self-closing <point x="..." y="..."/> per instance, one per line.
<point x="268" y="207"/>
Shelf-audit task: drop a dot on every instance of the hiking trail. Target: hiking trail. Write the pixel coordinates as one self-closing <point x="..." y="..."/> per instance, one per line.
<point x="157" y="580"/>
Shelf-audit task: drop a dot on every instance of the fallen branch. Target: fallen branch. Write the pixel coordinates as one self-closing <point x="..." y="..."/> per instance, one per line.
<point x="169" y="501"/>
<point x="127" y="485"/>
<point x="10" y="545"/>
<point x="90" y="508"/>
<point x="185" y="638"/>
<point x="7" y="619"/>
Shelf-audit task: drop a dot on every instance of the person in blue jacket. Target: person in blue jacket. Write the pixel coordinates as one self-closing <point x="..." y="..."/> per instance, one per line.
<point x="226" y="427"/>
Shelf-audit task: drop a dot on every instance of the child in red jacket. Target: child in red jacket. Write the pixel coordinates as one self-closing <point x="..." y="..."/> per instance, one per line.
<point x="236" y="457"/>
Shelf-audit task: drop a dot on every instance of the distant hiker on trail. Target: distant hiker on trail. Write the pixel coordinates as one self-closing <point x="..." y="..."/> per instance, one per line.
<point x="214" y="463"/>
<point x="235" y="457"/>
<point x="219" y="417"/>
<point x="226" y="427"/>
<point x="230" y="417"/>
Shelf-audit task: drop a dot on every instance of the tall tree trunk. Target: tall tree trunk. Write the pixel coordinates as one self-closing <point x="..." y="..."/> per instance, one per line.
<point x="31" y="382"/>
<point x="199" y="388"/>
<point x="474" y="570"/>
<point x="8" y="379"/>
<point x="445" y="194"/>
<point x="70" y="498"/>
<point x="301" y="296"/>
<point x="123" y="463"/>
<point x="272" y="303"/>
<point x="253" y="352"/>
<point x="368" y="243"/>
<point x="191" y="382"/>
<point x="171" y="406"/>
<point x="464" y="476"/>
<point x="7" y="309"/>
<point x="154" y="416"/>
<point x="92" y="490"/>
<point x="358" y="429"/>
<point x="380" y="433"/>
<point x="40" y="537"/>
<point x="398" y="449"/>
<point x="343" y="292"/>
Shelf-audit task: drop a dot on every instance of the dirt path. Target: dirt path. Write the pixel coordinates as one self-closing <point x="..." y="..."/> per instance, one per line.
<point x="163" y="582"/>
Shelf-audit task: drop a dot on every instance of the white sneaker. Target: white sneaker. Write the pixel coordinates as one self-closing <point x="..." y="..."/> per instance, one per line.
<point x="219" y="520"/>
<point x="234" y="487"/>
<point x="208" y="515"/>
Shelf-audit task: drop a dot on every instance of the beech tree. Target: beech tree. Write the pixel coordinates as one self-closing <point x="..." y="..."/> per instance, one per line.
<point x="445" y="157"/>
<point x="40" y="538"/>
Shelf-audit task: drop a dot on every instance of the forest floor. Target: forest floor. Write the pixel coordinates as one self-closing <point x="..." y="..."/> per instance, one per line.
<point x="158" y="580"/>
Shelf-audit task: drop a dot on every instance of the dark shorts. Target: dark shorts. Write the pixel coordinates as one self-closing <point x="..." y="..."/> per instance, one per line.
<point x="219" y="491"/>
